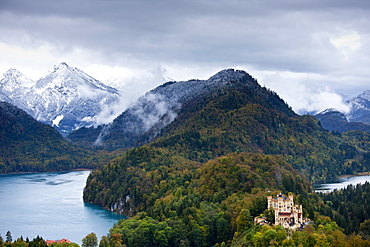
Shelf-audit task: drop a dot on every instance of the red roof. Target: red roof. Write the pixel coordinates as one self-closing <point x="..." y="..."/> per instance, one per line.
<point x="63" y="240"/>
<point x="285" y="213"/>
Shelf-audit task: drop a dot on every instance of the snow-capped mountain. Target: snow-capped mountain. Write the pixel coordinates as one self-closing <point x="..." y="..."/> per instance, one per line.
<point x="360" y="108"/>
<point x="13" y="88"/>
<point x="357" y="118"/>
<point x="14" y="81"/>
<point x="66" y="98"/>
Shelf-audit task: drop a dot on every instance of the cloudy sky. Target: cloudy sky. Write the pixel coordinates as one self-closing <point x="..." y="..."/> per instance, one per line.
<point x="309" y="52"/>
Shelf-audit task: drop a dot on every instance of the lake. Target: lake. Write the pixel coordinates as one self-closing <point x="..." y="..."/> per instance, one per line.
<point x="341" y="183"/>
<point x="50" y="205"/>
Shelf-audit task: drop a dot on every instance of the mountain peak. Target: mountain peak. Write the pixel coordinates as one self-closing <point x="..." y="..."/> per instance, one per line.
<point x="227" y="73"/>
<point x="61" y="66"/>
<point x="233" y="75"/>
<point x="64" y="75"/>
<point x="329" y="110"/>
<point x="13" y="73"/>
<point x="14" y="79"/>
<point x="364" y="95"/>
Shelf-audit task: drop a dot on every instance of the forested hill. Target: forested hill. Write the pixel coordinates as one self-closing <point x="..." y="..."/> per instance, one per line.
<point x="30" y="146"/>
<point x="233" y="118"/>
<point x="145" y="119"/>
<point x="223" y="152"/>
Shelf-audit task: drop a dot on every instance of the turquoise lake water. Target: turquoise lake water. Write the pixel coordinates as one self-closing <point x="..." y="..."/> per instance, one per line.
<point x="50" y="205"/>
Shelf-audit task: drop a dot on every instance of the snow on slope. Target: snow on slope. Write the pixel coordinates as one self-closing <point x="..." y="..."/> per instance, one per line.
<point x="159" y="107"/>
<point x="360" y="108"/>
<point x="66" y="98"/>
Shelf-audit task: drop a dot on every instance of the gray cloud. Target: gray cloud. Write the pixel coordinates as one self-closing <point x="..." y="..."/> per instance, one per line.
<point x="306" y="37"/>
<point x="270" y="33"/>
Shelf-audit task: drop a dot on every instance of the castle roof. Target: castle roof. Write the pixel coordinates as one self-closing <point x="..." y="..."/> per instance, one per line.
<point x="281" y="197"/>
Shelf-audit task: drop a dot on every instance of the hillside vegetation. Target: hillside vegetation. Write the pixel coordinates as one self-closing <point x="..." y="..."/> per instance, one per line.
<point x="30" y="146"/>
<point x="209" y="204"/>
<point x="207" y="174"/>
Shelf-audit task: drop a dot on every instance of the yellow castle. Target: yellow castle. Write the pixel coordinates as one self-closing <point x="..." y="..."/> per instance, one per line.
<point x="287" y="214"/>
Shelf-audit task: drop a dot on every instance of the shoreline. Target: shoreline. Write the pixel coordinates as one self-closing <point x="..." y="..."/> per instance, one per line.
<point x="73" y="170"/>
<point x="357" y="175"/>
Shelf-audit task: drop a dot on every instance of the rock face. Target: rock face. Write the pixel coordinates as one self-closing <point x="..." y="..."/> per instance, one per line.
<point x="66" y="98"/>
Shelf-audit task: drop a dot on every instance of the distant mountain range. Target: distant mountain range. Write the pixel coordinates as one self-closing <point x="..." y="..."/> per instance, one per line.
<point x="358" y="118"/>
<point x="66" y="98"/>
<point x="360" y="108"/>
<point x="334" y="120"/>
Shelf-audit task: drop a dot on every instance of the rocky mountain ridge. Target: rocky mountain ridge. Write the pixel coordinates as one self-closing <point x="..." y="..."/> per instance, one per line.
<point x="67" y="99"/>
